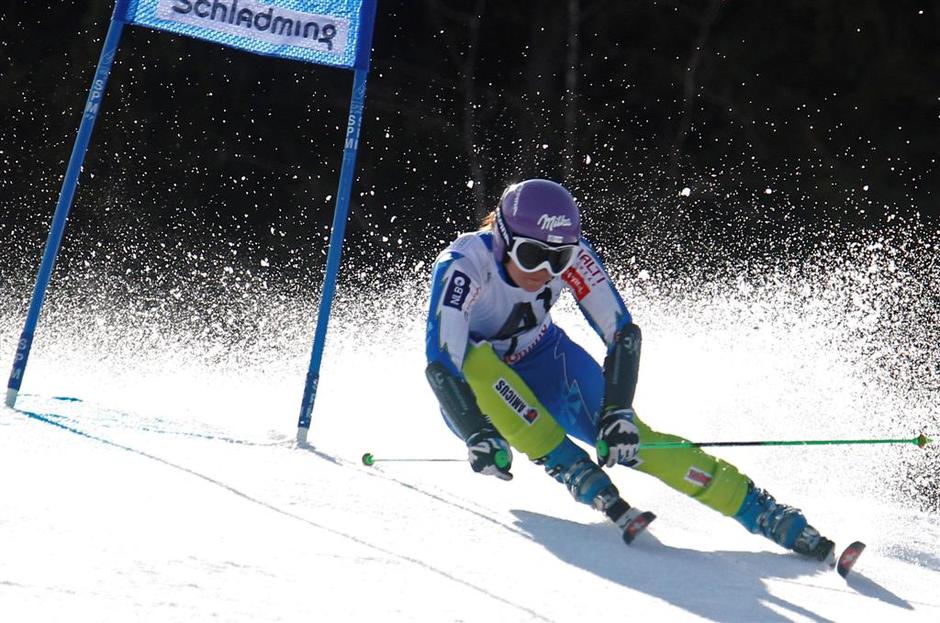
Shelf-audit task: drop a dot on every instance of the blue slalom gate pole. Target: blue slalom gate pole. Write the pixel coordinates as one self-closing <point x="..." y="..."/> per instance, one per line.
<point x="66" y="195"/>
<point x="340" y="215"/>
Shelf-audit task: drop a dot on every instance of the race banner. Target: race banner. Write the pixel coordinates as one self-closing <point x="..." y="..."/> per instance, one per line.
<point x="325" y="32"/>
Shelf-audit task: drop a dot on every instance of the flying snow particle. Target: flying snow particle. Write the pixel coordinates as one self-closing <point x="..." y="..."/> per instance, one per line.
<point x="685" y="192"/>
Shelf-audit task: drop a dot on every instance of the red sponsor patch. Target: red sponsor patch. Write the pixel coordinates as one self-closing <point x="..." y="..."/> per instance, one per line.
<point x="576" y="282"/>
<point x="698" y="477"/>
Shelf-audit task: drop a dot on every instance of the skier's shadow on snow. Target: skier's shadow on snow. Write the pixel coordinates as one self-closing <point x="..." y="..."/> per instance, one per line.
<point x="715" y="585"/>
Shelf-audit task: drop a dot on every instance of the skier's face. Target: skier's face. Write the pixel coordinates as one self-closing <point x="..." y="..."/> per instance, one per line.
<point x="530" y="282"/>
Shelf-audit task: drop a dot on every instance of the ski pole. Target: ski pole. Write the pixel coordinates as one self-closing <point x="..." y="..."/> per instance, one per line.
<point x="501" y="459"/>
<point x="920" y="441"/>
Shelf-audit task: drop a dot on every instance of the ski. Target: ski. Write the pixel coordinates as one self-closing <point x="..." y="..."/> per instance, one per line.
<point x="636" y="525"/>
<point x="824" y="551"/>
<point x="631" y="521"/>
<point x="849" y="557"/>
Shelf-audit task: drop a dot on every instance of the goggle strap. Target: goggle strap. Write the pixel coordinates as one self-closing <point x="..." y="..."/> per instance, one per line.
<point x="502" y="230"/>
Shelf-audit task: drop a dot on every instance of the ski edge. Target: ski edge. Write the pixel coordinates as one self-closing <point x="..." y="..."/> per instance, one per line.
<point x="849" y="557"/>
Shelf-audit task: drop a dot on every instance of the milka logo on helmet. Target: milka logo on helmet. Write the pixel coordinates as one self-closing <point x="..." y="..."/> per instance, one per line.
<point x="259" y="21"/>
<point x="515" y="401"/>
<point x="549" y="223"/>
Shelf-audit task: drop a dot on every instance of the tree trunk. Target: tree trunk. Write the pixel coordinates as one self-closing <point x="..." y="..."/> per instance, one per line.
<point x="689" y="85"/>
<point x="571" y="89"/>
<point x="466" y="66"/>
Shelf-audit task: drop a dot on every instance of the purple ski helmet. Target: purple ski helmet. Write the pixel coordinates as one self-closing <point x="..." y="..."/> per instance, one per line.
<point x="538" y="209"/>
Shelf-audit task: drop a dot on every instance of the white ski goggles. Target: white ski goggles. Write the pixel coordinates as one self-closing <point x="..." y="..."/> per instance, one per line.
<point x="532" y="255"/>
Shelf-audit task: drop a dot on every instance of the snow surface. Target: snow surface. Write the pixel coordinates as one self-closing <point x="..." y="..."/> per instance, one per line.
<point x="150" y="475"/>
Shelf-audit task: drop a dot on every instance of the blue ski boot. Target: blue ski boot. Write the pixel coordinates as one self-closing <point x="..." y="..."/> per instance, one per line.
<point x="589" y="484"/>
<point x="784" y="525"/>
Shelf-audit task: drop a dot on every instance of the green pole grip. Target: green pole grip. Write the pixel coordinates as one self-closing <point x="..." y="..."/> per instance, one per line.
<point x="501" y="459"/>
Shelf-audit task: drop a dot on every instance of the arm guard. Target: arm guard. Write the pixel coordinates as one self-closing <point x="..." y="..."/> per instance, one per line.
<point x="621" y="368"/>
<point x="457" y="400"/>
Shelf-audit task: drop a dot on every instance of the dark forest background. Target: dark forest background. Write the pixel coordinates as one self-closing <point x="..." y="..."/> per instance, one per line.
<point x="738" y="126"/>
<point x="707" y="140"/>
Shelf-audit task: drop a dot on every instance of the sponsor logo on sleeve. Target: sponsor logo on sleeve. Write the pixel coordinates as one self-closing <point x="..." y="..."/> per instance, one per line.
<point x="590" y="269"/>
<point x="457" y="290"/>
<point x="698" y="477"/>
<point x="576" y="282"/>
<point x="515" y="401"/>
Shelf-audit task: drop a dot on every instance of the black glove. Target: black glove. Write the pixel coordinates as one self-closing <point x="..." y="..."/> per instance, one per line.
<point x="618" y="439"/>
<point x="489" y="453"/>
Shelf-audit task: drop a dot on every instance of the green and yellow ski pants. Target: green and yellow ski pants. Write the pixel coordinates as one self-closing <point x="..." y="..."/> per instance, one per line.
<point x="557" y="390"/>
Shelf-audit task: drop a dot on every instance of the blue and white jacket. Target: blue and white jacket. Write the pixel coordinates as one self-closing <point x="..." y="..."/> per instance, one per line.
<point x="472" y="298"/>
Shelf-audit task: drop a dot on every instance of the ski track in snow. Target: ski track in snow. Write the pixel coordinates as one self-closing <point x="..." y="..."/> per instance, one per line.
<point x="211" y="526"/>
<point x="143" y="480"/>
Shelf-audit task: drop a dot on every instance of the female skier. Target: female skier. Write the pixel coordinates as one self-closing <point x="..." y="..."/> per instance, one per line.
<point x="507" y="376"/>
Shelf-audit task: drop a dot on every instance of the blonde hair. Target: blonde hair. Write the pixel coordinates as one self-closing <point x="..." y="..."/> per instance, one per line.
<point x="489" y="222"/>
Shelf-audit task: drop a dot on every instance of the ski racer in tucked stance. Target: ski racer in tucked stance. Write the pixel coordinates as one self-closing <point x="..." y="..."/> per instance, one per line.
<point x="507" y="377"/>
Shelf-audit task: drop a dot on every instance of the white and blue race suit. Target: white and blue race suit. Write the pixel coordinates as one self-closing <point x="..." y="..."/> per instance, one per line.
<point x="474" y="300"/>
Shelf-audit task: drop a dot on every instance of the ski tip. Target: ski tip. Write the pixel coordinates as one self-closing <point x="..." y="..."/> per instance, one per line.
<point x="638" y="525"/>
<point x="849" y="557"/>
